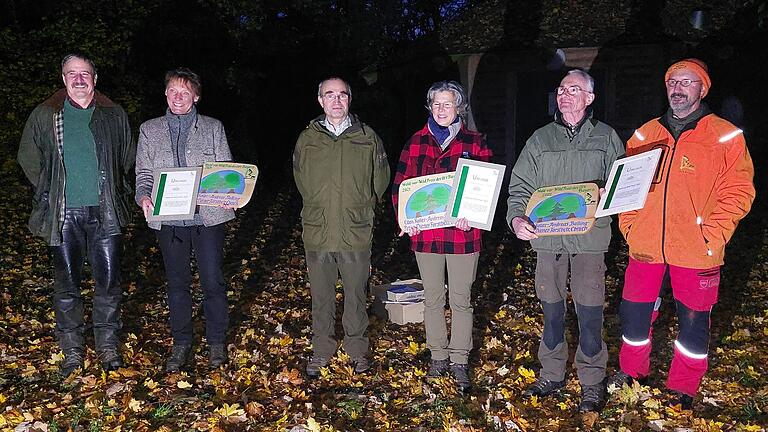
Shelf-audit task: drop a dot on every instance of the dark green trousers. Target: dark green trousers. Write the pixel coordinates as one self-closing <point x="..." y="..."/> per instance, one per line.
<point x="324" y="270"/>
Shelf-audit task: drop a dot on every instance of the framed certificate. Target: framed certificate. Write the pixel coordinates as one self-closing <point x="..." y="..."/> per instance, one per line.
<point x="174" y="193"/>
<point x="475" y="193"/>
<point x="628" y="183"/>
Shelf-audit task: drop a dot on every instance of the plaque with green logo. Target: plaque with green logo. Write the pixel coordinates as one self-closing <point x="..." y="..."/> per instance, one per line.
<point x="563" y="209"/>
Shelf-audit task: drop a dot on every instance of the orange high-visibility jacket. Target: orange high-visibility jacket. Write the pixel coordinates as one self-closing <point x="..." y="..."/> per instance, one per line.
<point x="702" y="188"/>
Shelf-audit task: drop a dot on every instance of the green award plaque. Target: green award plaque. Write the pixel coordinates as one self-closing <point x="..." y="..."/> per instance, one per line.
<point x="563" y="209"/>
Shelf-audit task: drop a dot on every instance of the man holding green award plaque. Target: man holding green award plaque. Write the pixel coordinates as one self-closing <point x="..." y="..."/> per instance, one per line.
<point x="341" y="171"/>
<point x="574" y="148"/>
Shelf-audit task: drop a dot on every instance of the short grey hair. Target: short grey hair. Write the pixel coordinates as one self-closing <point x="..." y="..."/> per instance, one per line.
<point x="346" y="84"/>
<point x="587" y="77"/>
<point x="82" y="57"/>
<point x="462" y="105"/>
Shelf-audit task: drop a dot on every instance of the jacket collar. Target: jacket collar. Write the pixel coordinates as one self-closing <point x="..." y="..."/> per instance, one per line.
<point x="586" y="120"/>
<point x="356" y="126"/>
<point x="704" y="111"/>
<point x="56" y="101"/>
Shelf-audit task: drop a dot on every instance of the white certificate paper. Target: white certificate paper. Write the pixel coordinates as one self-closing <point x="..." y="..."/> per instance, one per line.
<point x="174" y="193"/>
<point x="475" y="192"/>
<point x="628" y="183"/>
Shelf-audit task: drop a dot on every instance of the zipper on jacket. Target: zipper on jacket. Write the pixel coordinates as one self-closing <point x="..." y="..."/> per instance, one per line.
<point x="61" y="198"/>
<point x="664" y="207"/>
<point x="688" y="127"/>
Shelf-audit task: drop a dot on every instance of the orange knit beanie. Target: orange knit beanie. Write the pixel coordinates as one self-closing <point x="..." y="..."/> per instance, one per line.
<point x="697" y="66"/>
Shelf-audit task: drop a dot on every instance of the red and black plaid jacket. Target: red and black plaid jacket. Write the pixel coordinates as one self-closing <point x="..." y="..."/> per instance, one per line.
<point x="422" y="156"/>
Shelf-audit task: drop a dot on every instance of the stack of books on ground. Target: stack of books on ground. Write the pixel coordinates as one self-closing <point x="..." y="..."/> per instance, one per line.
<point x="400" y="302"/>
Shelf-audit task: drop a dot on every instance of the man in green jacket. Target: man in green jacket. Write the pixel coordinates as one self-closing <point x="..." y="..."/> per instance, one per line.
<point x="574" y="148"/>
<point x="77" y="151"/>
<point x="341" y="171"/>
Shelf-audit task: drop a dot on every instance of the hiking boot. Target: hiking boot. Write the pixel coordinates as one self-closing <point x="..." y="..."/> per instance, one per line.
<point x="217" y="355"/>
<point x="543" y="387"/>
<point x="73" y="360"/>
<point x="592" y="398"/>
<point x="460" y="373"/>
<point x="360" y="364"/>
<point x="315" y="363"/>
<point x="685" y="401"/>
<point x="110" y="359"/>
<point x="180" y="356"/>
<point x="438" y="368"/>
<point x="619" y="378"/>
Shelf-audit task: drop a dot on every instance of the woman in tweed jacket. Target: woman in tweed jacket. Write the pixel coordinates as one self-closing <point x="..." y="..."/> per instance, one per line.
<point x="183" y="138"/>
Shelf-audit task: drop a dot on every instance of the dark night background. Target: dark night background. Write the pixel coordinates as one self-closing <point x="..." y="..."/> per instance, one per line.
<point x="261" y="60"/>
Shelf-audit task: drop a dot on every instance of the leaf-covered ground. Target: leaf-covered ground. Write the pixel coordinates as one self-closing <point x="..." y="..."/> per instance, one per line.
<point x="264" y="388"/>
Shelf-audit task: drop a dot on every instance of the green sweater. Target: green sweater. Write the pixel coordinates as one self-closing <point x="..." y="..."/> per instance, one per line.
<point x="80" y="162"/>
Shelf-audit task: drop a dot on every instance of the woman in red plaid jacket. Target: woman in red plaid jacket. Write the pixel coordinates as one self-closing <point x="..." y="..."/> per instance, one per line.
<point x="435" y="149"/>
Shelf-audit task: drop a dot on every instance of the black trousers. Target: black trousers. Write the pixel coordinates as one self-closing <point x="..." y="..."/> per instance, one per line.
<point x="81" y="238"/>
<point x="177" y="245"/>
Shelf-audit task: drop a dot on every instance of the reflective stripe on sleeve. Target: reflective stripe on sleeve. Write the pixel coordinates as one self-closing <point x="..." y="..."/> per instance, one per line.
<point x="729" y="136"/>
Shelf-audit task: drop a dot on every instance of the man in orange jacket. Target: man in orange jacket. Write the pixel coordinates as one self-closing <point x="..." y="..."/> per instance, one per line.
<point x="702" y="189"/>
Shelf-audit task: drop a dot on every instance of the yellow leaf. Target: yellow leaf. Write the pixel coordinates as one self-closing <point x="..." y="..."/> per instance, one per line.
<point x="281" y="420"/>
<point x="135" y="405"/>
<point x="529" y="375"/>
<point x="312" y="425"/>
<point x="563" y="406"/>
<point x="413" y="348"/>
<point x="653" y="415"/>
<point x="524" y="355"/>
<point x="751" y="372"/>
<point x="652" y="404"/>
<point x="2" y="398"/>
<point x="500" y="314"/>
<point x="55" y="358"/>
<point x="534" y="401"/>
<point x="183" y="385"/>
<point x="493" y="343"/>
<point x="752" y="428"/>
<point x="148" y="383"/>
<point x="228" y="410"/>
<point x="325" y="373"/>
<point x="506" y="394"/>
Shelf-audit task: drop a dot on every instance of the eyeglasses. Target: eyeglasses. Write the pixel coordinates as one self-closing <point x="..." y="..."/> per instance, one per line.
<point x="571" y="90"/>
<point x="445" y="105"/>
<point x="671" y="83"/>
<point x="330" y="97"/>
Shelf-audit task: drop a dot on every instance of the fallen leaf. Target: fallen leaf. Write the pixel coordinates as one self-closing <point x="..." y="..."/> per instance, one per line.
<point x="183" y="385"/>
